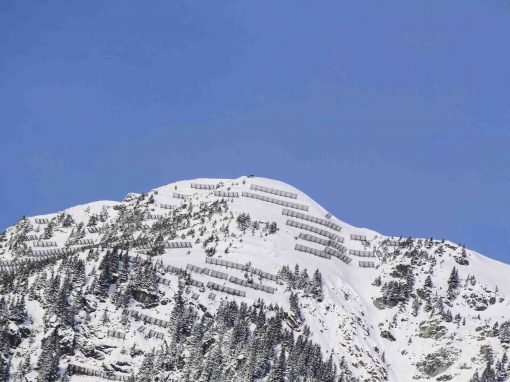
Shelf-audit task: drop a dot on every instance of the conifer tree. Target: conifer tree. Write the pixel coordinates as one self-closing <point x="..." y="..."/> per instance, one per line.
<point x="453" y="283"/>
<point x="49" y="359"/>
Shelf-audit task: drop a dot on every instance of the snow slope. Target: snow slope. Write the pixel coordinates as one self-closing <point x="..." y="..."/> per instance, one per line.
<point x="347" y="323"/>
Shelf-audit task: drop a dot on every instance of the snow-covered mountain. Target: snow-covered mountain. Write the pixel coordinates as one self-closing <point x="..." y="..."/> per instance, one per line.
<point x="242" y="280"/>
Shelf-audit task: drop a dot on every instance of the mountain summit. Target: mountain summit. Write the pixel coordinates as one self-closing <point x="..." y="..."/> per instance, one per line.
<point x="242" y="280"/>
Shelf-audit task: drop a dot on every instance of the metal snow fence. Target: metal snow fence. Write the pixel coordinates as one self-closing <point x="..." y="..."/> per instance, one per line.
<point x="154" y="216"/>
<point x="207" y="271"/>
<point x="178" y="195"/>
<point x="73" y="368"/>
<point x="241" y="267"/>
<point x="313" y="229"/>
<point x="172" y="269"/>
<point x="44" y="244"/>
<point x="203" y="186"/>
<point x="163" y="280"/>
<point x="313" y="239"/>
<point x="225" y="289"/>
<point x="53" y="252"/>
<point x="154" y="333"/>
<point x="166" y="206"/>
<point x="116" y="334"/>
<point x="211" y="296"/>
<point x="42" y="220"/>
<point x="178" y="244"/>
<point x="169" y="245"/>
<point x="366" y="264"/>
<point x="196" y="283"/>
<point x="338" y="246"/>
<point x="392" y="243"/>
<point x="94" y="229"/>
<point x="280" y="202"/>
<point x="84" y="242"/>
<point x="312" y="219"/>
<point x="273" y="191"/>
<point x="148" y="319"/>
<point x="313" y="251"/>
<point x="358" y="237"/>
<point x="32" y="237"/>
<point x="357" y="252"/>
<point x="12" y="265"/>
<point x="333" y="252"/>
<point x="252" y="285"/>
<point x="226" y="194"/>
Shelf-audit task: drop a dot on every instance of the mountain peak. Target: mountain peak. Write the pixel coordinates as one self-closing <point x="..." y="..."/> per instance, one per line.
<point x="107" y="289"/>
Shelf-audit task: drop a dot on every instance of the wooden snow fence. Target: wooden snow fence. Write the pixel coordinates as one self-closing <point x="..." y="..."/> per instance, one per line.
<point x="148" y="319"/>
<point x="308" y="227"/>
<point x="359" y="253"/>
<point x="116" y="334"/>
<point x="313" y="219"/>
<point x="273" y="191"/>
<point x="241" y="267"/>
<point x="203" y="186"/>
<point x="207" y="271"/>
<point x="313" y="251"/>
<point x="78" y="369"/>
<point x="280" y="202"/>
<point x="225" y="289"/>
<point x="94" y="229"/>
<point x="263" y="288"/>
<point x="226" y="194"/>
<point x="366" y="264"/>
<point x="166" y="206"/>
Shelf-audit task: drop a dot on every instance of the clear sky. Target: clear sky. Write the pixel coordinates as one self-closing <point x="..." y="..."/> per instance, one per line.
<point x="393" y="115"/>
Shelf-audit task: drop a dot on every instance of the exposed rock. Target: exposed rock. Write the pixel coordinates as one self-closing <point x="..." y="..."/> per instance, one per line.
<point x="436" y="363"/>
<point x="387" y="335"/>
<point x="432" y="329"/>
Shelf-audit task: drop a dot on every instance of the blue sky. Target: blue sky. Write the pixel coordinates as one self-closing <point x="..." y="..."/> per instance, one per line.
<point x="395" y="116"/>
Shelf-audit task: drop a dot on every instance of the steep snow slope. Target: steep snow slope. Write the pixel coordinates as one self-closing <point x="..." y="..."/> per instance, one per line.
<point x="379" y="315"/>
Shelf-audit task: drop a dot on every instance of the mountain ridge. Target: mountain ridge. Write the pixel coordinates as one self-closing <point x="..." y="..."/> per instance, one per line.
<point x="374" y="302"/>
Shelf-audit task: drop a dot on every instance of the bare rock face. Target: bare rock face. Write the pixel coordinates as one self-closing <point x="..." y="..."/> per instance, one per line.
<point x="144" y="297"/>
<point x="432" y="329"/>
<point x="438" y="362"/>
